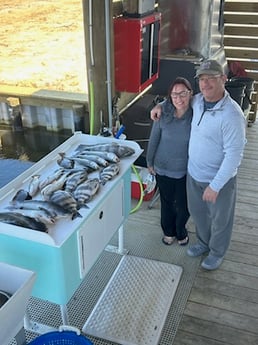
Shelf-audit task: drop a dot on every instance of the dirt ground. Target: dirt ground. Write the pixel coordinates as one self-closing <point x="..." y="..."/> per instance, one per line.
<point x="42" y="44"/>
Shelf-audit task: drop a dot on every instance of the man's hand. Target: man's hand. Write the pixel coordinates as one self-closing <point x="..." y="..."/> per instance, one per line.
<point x="156" y="112"/>
<point x="209" y="195"/>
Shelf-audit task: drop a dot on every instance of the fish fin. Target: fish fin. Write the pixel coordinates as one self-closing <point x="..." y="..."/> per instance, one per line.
<point x="81" y="205"/>
<point x="84" y="206"/>
<point x="75" y="215"/>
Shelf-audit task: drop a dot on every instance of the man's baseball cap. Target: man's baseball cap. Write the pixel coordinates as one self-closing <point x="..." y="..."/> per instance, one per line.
<point x="209" y="67"/>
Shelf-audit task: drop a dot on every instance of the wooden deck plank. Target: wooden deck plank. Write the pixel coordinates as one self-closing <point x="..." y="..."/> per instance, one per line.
<point x="238" y="53"/>
<point x="233" y="278"/>
<point x="245" y="238"/>
<point x="246" y="6"/>
<point x="222" y="317"/>
<point x="224" y="301"/>
<point x="210" y="286"/>
<point x="242" y="42"/>
<point x="244" y="247"/>
<point x="243" y="258"/>
<point x="245" y="227"/>
<point x="193" y="339"/>
<point x="242" y="30"/>
<point x="209" y="333"/>
<point x="238" y="18"/>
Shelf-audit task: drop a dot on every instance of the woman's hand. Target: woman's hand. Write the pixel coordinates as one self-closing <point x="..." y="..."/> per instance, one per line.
<point x="151" y="170"/>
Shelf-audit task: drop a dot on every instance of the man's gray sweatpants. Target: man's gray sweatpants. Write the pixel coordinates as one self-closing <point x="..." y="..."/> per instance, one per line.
<point x="214" y="222"/>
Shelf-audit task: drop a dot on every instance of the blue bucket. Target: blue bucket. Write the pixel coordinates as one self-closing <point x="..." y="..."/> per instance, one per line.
<point x="61" y="338"/>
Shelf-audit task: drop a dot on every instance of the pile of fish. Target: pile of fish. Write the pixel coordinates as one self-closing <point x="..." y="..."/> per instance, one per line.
<point x="70" y="188"/>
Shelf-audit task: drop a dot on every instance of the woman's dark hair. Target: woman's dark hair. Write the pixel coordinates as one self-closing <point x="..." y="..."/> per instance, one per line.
<point x="179" y="80"/>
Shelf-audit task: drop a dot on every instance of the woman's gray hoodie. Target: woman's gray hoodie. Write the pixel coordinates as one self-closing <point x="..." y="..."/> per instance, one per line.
<point x="167" y="149"/>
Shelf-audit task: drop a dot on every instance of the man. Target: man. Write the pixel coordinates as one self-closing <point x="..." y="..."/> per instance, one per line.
<point x="215" y="151"/>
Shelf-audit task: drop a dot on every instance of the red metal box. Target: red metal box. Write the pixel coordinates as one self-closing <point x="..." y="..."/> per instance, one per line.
<point x="136" y="42"/>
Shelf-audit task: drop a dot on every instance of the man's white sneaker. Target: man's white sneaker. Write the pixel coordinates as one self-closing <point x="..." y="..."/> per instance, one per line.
<point x="196" y="250"/>
<point x="211" y="262"/>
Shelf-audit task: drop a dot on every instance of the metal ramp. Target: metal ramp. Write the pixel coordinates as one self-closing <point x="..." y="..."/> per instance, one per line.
<point x="133" y="307"/>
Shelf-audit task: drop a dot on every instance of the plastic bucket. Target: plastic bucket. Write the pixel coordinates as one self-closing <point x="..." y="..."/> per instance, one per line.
<point x="236" y="91"/>
<point x="249" y="83"/>
<point x="61" y="338"/>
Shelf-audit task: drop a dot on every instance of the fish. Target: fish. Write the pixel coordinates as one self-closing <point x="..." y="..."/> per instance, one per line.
<point x="86" y="191"/>
<point x="120" y="150"/>
<point x="70" y="172"/>
<point x="78" y="169"/>
<point x="58" y="173"/>
<point x="109" y="172"/>
<point x="108" y="156"/>
<point x="52" y="187"/>
<point x="53" y="209"/>
<point x="33" y="187"/>
<point x="21" y="195"/>
<point x="73" y="180"/>
<point x="40" y="215"/>
<point x="95" y="158"/>
<point x="22" y="221"/>
<point x="65" y="162"/>
<point x="66" y="200"/>
<point x="86" y="162"/>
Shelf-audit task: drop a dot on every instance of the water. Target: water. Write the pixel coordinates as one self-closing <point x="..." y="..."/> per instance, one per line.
<point x="21" y="149"/>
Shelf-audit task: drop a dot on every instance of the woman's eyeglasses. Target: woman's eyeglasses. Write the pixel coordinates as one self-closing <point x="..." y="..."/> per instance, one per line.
<point x="181" y="94"/>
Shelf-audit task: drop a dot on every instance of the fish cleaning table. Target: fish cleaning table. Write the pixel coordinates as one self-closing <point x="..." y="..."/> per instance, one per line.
<point x="63" y="256"/>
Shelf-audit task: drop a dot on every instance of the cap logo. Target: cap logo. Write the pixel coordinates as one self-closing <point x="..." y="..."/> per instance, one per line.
<point x="206" y="65"/>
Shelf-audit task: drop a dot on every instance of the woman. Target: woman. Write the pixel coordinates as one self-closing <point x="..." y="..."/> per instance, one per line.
<point x="167" y="157"/>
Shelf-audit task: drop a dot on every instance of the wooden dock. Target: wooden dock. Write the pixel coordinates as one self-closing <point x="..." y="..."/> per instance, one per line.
<point x="222" y="307"/>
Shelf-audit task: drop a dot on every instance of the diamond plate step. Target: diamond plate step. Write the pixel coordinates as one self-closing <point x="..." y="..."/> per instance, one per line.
<point x="133" y="307"/>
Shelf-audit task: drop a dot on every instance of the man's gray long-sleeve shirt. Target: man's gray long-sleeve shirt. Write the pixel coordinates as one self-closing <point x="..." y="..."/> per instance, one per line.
<point x="217" y="141"/>
<point x="168" y="145"/>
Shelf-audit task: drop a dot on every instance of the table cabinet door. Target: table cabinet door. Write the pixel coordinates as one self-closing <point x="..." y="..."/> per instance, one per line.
<point x="99" y="229"/>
